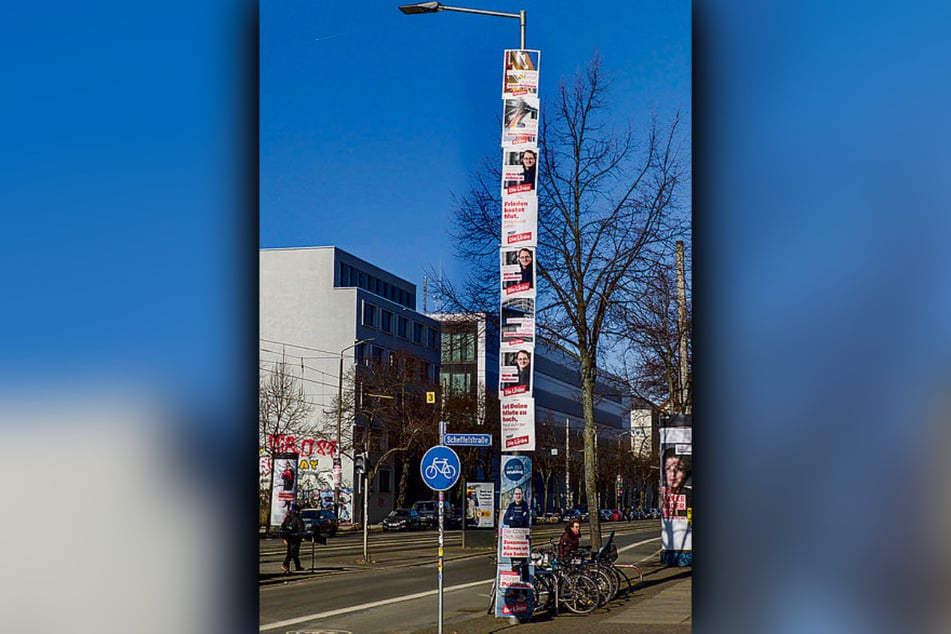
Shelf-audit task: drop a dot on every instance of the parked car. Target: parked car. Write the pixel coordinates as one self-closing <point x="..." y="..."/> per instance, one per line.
<point x="427" y="512"/>
<point x="325" y="520"/>
<point x="402" y="520"/>
<point x="606" y="515"/>
<point x="454" y="519"/>
<point x="618" y="515"/>
<point x="575" y="514"/>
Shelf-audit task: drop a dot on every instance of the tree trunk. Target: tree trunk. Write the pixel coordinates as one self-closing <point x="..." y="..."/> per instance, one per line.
<point x="590" y="454"/>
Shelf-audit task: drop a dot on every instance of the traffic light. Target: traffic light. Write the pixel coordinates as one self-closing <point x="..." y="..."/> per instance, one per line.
<point x="359" y="465"/>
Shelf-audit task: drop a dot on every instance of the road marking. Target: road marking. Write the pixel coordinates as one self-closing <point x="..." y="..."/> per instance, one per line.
<point x="646" y="541"/>
<point x="409" y="597"/>
<point x="367" y="606"/>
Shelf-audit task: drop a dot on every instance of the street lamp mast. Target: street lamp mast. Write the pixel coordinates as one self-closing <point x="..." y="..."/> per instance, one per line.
<point x="338" y="466"/>
<point x="435" y="7"/>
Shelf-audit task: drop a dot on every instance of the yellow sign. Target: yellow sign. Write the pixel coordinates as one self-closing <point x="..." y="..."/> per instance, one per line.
<point x="430" y="397"/>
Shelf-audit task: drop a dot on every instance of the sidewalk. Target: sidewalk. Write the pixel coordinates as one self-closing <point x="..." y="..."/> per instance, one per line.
<point x="660" y="605"/>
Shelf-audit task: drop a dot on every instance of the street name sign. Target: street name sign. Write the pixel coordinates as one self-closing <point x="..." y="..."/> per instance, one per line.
<point x="468" y="440"/>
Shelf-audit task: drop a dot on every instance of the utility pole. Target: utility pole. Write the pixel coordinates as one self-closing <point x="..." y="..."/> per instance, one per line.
<point x="567" y="467"/>
<point x="682" y="325"/>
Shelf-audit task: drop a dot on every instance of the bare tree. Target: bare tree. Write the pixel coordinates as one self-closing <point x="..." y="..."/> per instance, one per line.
<point x="608" y="209"/>
<point x="392" y="402"/>
<point x="283" y="411"/>
<point x="652" y="359"/>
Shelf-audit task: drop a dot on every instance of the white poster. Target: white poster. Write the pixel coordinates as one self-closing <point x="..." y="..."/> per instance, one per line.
<point x="519" y="221"/>
<point x="521" y="72"/>
<point x="676" y="496"/>
<point x="518" y="272"/>
<point x="518" y="324"/>
<point x="515" y="542"/>
<point x="515" y="374"/>
<point x="520" y="120"/>
<point x="519" y="171"/>
<point x="284" y="491"/>
<point x="480" y="504"/>
<point x="518" y="424"/>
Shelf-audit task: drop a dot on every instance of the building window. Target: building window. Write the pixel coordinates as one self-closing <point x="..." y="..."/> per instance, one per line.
<point x="386" y="321"/>
<point x="344" y="274"/>
<point x="401" y="327"/>
<point x="383" y="481"/>
<point x="417" y="333"/>
<point x="369" y="315"/>
<point x="433" y="339"/>
<point x="377" y="354"/>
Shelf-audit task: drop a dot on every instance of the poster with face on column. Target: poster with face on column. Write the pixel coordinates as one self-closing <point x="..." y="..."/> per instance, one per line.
<point x="515" y="373"/>
<point x="518" y="272"/>
<point x="521" y="72"/>
<point x="676" y="495"/>
<point x="284" y="486"/>
<point x="515" y="571"/>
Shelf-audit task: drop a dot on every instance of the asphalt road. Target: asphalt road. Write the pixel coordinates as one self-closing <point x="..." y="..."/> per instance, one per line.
<point x="397" y="591"/>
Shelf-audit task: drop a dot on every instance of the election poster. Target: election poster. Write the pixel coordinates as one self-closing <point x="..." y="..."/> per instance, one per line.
<point x="517" y="324"/>
<point x="676" y="495"/>
<point x="284" y="485"/>
<point x="519" y="221"/>
<point x="519" y="173"/>
<point x="480" y="504"/>
<point x="520" y="121"/>
<point x="515" y="373"/>
<point x="518" y="271"/>
<point x="518" y="424"/>
<point x="521" y="72"/>
<point x="514" y="580"/>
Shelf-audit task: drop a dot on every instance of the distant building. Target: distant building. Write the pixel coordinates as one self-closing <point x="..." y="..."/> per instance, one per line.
<point x="315" y="303"/>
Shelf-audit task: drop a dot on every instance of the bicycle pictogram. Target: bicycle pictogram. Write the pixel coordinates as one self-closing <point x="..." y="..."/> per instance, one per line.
<point x="440" y="466"/>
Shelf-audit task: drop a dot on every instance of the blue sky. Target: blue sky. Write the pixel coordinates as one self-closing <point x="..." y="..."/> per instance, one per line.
<point x="371" y="119"/>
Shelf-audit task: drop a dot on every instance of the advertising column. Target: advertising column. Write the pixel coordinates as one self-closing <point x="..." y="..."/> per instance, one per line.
<point x="517" y="277"/>
<point x="676" y="492"/>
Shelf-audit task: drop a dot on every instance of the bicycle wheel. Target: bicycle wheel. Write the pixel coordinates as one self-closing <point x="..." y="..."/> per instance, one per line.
<point x="579" y="594"/>
<point x="607" y="585"/>
<point x="543" y="591"/>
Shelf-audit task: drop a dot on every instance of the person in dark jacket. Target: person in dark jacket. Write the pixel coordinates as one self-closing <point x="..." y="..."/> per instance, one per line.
<point x="517" y="514"/>
<point x="293" y="531"/>
<point x="570" y="539"/>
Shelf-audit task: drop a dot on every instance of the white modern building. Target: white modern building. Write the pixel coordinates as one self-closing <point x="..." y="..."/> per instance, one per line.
<point x="316" y="303"/>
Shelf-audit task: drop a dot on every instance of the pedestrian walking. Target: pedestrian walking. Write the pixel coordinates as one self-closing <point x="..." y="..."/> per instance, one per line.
<point x="292" y="531"/>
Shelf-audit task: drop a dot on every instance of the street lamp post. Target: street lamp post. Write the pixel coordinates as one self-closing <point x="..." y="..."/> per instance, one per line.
<point x="338" y="466"/>
<point x="435" y="7"/>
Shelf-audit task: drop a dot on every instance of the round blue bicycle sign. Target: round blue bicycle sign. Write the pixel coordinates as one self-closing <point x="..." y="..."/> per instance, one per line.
<point x="440" y="468"/>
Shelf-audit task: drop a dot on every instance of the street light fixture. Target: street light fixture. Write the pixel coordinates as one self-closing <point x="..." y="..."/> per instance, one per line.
<point x="338" y="467"/>
<point x="435" y="7"/>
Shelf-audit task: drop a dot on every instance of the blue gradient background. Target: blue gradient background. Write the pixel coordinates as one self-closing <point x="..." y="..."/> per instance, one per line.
<point x="821" y="340"/>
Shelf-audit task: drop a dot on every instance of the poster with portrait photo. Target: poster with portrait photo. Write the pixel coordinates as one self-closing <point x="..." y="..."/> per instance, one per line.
<point x="519" y="170"/>
<point x="517" y="272"/>
<point x="515" y="571"/>
<point x="517" y="324"/>
<point x="519" y="221"/>
<point x="521" y="72"/>
<point x="676" y="494"/>
<point x="284" y="485"/>
<point x="515" y="372"/>
<point x="517" y="428"/>
<point x="520" y="121"/>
